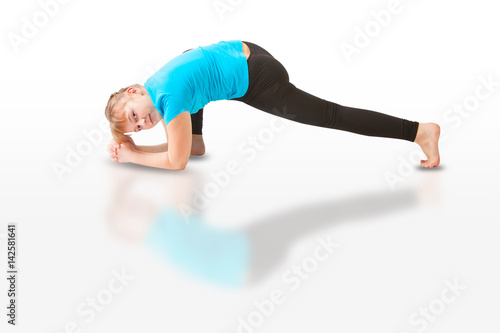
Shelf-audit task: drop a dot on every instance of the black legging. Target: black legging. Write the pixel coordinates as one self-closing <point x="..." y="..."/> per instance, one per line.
<point x="270" y="90"/>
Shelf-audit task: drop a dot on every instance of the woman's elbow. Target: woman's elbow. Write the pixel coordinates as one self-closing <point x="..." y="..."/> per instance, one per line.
<point x="177" y="160"/>
<point x="182" y="166"/>
<point x="179" y="165"/>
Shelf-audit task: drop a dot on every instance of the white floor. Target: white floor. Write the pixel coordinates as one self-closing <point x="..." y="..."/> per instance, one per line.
<point x="351" y="235"/>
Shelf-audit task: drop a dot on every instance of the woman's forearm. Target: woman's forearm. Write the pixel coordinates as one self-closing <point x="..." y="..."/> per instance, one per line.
<point x="163" y="147"/>
<point x="198" y="146"/>
<point x="156" y="160"/>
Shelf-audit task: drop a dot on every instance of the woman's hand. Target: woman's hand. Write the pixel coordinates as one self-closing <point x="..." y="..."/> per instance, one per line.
<point x="121" y="153"/>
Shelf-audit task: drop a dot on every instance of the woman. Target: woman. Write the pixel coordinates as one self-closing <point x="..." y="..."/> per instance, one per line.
<point x="241" y="71"/>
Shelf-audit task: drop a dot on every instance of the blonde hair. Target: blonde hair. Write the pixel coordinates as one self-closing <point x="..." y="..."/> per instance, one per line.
<point x="115" y="113"/>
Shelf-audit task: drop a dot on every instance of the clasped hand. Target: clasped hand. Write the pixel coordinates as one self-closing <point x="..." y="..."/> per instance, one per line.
<point x="121" y="152"/>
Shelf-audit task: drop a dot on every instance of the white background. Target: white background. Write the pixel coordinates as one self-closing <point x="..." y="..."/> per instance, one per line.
<point x="399" y="243"/>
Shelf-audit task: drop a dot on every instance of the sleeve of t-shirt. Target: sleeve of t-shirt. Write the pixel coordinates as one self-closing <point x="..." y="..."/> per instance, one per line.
<point x="173" y="105"/>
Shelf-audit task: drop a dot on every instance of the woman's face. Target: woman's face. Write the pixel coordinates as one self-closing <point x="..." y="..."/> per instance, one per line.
<point x="140" y="112"/>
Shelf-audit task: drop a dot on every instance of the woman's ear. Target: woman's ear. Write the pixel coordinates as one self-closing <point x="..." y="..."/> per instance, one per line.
<point x="139" y="90"/>
<point x="131" y="90"/>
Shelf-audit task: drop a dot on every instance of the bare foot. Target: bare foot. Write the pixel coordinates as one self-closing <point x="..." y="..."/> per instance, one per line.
<point x="197" y="146"/>
<point x="427" y="138"/>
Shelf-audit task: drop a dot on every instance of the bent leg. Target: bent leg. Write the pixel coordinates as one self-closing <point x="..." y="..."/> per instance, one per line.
<point x="197" y="122"/>
<point x="198" y="145"/>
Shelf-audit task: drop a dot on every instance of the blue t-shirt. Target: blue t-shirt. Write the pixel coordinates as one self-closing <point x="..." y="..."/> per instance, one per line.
<point x="191" y="80"/>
